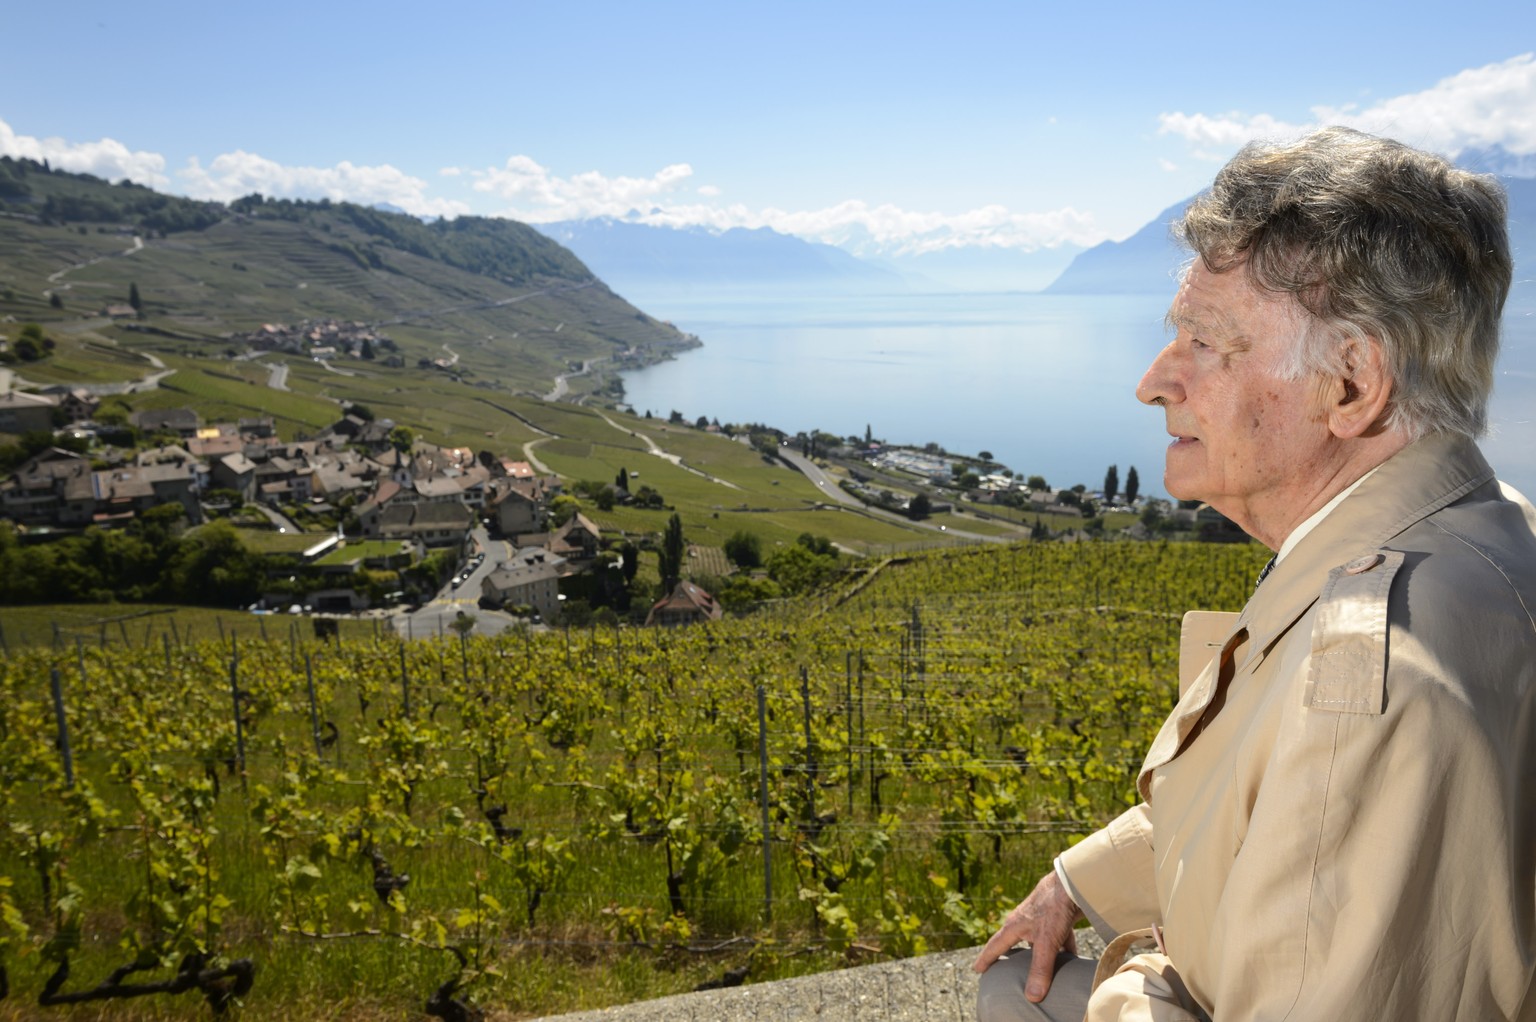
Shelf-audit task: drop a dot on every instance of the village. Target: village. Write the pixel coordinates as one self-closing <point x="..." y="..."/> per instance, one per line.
<point x="401" y="500"/>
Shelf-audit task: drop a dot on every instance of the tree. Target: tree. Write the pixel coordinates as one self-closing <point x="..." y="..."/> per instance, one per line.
<point x="401" y="438"/>
<point x="744" y="549"/>
<point x="702" y="422"/>
<point x="985" y="456"/>
<point x="621" y="481"/>
<point x="562" y="509"/>
<point x="920" y="507"/>
<point x="1111" y="483"/>
<point x="673" y="548"/>
<point x="1132" y="486"/>
<point x="797" y="568"/>
<point x="134" y="299"/>
<point x="1036" y="483"/>
<point x="367" y="350"/>
<point x="56" y="300"/>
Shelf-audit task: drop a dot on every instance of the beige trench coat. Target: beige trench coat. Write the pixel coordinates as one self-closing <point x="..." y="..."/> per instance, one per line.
<point x="1339" y="816"/>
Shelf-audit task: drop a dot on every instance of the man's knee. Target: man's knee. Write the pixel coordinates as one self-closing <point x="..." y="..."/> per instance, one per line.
<point x="1000" y="993"/>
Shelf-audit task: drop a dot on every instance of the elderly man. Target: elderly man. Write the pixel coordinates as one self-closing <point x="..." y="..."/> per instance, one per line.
<point x="1338" y="820"/>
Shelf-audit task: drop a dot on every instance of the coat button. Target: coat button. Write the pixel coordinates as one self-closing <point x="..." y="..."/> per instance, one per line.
<point x="1363" y="564"/>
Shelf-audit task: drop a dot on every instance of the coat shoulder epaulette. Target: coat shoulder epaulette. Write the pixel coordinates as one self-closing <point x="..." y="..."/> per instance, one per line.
<point x="1348" y="667"/>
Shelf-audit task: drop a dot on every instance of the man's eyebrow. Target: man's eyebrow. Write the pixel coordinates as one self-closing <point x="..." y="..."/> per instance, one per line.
<point x="1200" y="321"/>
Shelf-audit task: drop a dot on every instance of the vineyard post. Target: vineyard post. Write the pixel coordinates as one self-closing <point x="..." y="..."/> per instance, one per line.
<point x="464" y="657"/>
<point x="405" y="682"/>
<point x="314" y="717"/>
<point x="762" y="787"/>
<point x="234" y="695"/>
<point x="165" y="642"/>
<point x="101" y="636"/>
<point x="80" y="658"/>
<point x="261" y="622"/>
<point x="862" y="750"/>
<point x="57" y="684"/>
<point x="220" y="622"/>
<point x="810" y="750"/>
<point x="122" y="626"/>
<point x="4" y="646"/>
<point x="848" y="716"/>
<point x="57" y="641"/>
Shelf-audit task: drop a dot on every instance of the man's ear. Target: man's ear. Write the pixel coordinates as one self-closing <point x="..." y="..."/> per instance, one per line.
<point x="1363" y="390"/>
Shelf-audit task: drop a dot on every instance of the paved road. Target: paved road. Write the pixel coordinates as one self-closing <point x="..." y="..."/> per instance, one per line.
<point x="437" y="617"/>
<point x="835" y="493"/>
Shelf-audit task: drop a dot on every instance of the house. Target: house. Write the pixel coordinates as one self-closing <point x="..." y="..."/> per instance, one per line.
<point x="26" y="413"/>
<point x="530" y="579"/>
<point x="122" y="493"/>
<point x="234" y="472"/>
<point x="184" y="422"/>
<point x="180" y="458"/>
<point x="214" y="445"/>
<point x="687" y="604"/>
<point x="76" y="403"/>
<point x="520" y="505"/>
<point x="51" y="487"/>
<point x="431" y="525"/>
<point x="577" y="540"/>
<point x="258" y="428"/>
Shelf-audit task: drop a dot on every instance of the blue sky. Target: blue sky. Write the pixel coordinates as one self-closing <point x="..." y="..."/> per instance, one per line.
<point x="897" y="126"/>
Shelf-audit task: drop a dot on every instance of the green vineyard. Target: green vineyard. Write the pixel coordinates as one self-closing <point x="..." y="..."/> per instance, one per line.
<point x="364" y="827"/>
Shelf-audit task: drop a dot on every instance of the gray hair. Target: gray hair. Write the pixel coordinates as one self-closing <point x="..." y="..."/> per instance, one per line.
<point x="1372" y="238"/>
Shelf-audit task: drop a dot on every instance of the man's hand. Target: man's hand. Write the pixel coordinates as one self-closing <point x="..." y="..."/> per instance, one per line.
<point x="1045" y="920"/>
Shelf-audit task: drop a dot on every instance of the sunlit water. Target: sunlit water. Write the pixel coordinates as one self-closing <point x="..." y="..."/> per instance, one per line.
<point x="1043" y="382"/>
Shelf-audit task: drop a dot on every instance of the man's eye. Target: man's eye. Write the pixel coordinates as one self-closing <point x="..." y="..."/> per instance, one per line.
<point x="1195" y="342"/>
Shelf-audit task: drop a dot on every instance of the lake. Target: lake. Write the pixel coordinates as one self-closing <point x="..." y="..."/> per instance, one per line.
<point x="1044" y="382"/>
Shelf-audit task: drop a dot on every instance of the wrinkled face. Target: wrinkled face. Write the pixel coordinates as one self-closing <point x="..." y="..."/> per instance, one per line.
<point x="1245" y="440"/>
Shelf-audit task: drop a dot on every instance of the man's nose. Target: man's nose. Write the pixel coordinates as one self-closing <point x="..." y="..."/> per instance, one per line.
<point x="1160" y="383"/>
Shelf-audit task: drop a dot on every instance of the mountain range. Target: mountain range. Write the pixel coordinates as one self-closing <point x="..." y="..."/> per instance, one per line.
<point x="644" y="258"/>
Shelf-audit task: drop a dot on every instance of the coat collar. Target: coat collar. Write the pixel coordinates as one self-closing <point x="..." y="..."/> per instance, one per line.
<point x="1414" y="483"/>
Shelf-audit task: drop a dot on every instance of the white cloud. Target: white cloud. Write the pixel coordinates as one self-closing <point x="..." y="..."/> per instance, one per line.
<point x="108" y="158"/>
<point x="544" y="196"/>
<point x="1479" y="107"/>
<point x="232" y="175"/>
<point x="1227" y="130"/>
<point x="451" y="171"/>
<point x="1168" y="165"/>
<point x="538" y="196"/>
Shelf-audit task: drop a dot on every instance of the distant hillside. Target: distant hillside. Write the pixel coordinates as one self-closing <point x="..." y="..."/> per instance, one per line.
<point x="1146" y="262"/>
<point x="510" y="303"/>
<point x="640" y="257"/>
